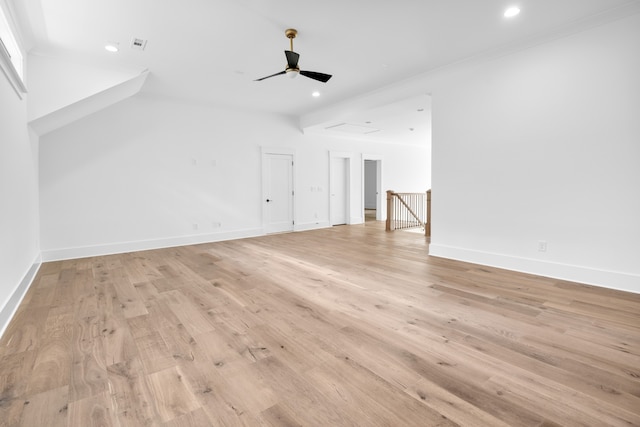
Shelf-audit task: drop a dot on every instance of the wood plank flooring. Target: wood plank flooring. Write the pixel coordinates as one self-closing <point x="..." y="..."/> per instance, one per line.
<point x="347" y="326"/>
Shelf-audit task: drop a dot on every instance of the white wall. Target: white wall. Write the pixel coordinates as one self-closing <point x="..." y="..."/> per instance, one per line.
<point x="55" y="83"/>
<point x="125" y="178"/>
<point x="544" y="145"/>
<point x="19" y="251"/>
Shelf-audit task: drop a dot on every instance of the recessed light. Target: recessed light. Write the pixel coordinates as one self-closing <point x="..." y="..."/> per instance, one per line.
<point x="315" y="94"/>
<point x="511" y="12"/>
<point x="420" y="110"/>
<point x="111" y="47"/>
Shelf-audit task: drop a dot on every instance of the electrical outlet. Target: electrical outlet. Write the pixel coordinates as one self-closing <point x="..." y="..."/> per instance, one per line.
<point x="216" y="224"/>
<point x="195" y="226"/>
<point x="542" y="246"/>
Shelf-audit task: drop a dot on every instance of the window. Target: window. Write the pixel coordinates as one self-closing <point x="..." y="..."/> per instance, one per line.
<point x="11" y="58"/>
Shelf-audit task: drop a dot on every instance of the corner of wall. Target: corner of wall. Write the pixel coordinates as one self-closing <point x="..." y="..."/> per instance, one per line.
<point x="10" y="308"/>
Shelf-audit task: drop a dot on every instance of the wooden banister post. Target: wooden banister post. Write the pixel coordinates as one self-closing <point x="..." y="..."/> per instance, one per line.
<point x="387" y="226"/>
<point x="427" y="227"/>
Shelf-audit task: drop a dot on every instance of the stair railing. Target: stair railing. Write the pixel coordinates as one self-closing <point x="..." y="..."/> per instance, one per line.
<point x="408" y="210"/>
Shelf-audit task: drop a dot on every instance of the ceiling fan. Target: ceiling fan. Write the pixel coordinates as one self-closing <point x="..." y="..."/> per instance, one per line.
<point x="292" y="69"/>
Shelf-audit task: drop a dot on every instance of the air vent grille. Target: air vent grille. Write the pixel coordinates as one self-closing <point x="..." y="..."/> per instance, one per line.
<point x="138" y="44"/>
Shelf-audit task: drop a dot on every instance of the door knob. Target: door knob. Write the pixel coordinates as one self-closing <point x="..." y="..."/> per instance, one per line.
<point x="268" y="200"/>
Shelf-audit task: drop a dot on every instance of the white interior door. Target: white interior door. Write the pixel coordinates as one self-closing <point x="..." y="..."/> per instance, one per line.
<point x="339" y="191"/>
<point x="278" y="192"/>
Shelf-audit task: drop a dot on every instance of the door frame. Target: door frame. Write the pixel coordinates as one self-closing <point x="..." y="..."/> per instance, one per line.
<point x="264" y="151"/>
<point x="349" y="161"/>
<point x="381" y="213"/>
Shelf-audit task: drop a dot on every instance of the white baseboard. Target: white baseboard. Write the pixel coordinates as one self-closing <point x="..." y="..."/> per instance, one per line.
<point x="311" y="226"/>
<point x="9" y="309"/>
<point x="607" y="279"/>
<point x="356" y="220"/>
<point x="143" y="245"/>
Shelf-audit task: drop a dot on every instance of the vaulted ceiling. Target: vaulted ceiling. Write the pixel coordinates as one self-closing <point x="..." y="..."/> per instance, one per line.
<point x="211" y="51"/>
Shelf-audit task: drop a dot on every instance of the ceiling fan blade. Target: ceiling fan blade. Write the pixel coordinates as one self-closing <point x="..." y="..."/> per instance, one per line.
<point x="272" y="75"/>
<point x="316" y="76"/>
<point x="292" y="58"/>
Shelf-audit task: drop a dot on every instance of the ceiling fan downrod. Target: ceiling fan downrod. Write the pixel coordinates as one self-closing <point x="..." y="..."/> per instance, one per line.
<point x="291" y="34"/>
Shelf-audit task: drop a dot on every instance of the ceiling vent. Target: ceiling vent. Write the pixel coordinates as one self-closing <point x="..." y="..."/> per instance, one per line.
<point x="138" y="44"/>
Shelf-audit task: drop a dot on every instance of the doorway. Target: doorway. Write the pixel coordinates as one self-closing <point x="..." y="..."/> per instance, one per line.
<point x="373" y="197"/>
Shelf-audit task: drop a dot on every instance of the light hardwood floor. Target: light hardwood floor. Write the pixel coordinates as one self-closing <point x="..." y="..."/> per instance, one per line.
<point x="348" y="326"/>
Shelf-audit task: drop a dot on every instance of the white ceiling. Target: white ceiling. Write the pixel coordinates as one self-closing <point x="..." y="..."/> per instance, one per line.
<point x="210" y="51"/>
